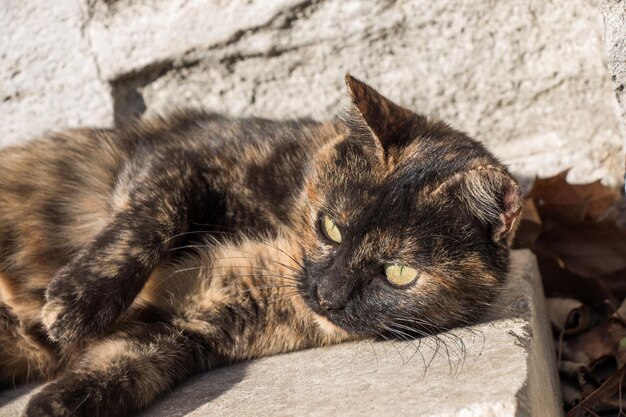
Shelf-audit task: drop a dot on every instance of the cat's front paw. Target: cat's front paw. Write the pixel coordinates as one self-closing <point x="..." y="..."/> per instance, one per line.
<point x="61" y="325"/>
<point x="65" y="397"/>
<point x="44" y="406"/>
<point x="50" y="403"/>
<point x="73" y="312"/>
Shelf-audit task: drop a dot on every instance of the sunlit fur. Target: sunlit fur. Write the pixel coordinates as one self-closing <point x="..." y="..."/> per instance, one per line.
<point x="132" y="258"/>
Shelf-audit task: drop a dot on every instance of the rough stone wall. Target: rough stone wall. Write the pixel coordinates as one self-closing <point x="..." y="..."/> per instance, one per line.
<point x="526" y="77"/>
<point x="614" y="12"/>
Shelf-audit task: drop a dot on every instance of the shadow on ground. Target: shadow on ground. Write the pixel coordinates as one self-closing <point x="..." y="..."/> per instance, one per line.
<point x="199" y="390"/>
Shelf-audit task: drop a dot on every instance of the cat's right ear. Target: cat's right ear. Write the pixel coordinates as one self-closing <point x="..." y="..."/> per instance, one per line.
<point x="375" y="118"/>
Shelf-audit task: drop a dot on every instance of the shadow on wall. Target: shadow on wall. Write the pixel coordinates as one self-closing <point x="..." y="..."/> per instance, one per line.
<point x="128" y="100"/>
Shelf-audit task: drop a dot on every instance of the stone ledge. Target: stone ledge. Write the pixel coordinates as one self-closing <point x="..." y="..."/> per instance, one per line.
<point x="502" y="367"/>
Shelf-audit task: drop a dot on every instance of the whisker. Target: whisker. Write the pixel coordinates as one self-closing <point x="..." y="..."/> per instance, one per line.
<point x="252" y="268"/>
<point x="436" y="350"/>
<point x="265" y="258"/>
<point x="264" y="287"/>
<point x="460" y="354"/>
<point x="405" y="337"/>
<point x="277" y="276"/>
<point x="358" y="347"/>
<point x="395" y="347"/>
<point x="191" y="232"/>
<point x="284" y="296"/>
<point x="400" y="333"/>
<point x="261" y="240"/>
<point x="293" y="269"/>
<point x="375" y="354"/>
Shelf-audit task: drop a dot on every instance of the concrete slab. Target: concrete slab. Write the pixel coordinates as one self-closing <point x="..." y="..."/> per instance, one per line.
<point x="502" y="367"/>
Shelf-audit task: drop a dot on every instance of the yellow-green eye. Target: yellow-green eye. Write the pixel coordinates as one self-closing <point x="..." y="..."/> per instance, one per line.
<point x="330" y="229"/>
<point x="400" y="274"/>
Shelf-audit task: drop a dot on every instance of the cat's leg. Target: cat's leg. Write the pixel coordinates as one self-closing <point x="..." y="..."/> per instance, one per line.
<point x="122" y="373"/>
<point x="151" y="207"/>
<point x="24" y="354"/>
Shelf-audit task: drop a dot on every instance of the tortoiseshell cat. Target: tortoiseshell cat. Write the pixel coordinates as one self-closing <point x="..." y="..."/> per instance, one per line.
<point x="132" y="258"/>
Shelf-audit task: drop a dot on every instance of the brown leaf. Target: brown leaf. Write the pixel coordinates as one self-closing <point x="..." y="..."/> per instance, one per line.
<point x="588" y="249"/>
<point x="617" y="333"/>
<point x="572" y="203"/>
<point x="595" y="344"/>
<point x="575" y="238"/>
<point x="616" y="283"/>
<point x="561" y="282"/>
<point x="581" y="250"/>
<point x="570" y="392"/>
<point x="599" y="197"/>
<point x="604" y="392"/>
<point x="530" y="226"/>
<point x="620" y="312"/>
<point x="568" y="315"/>
<point x="556" y="199"/>
<point x="617" y="212"/>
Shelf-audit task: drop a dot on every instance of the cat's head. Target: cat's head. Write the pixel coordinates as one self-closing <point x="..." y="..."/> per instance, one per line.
<point x="407" y="222"/>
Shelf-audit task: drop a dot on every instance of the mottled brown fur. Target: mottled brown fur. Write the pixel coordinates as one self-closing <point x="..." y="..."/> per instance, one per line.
<point x="131" y="258"/>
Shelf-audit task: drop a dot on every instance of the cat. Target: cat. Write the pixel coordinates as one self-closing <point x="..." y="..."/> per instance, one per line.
<point x="134" y="257"/>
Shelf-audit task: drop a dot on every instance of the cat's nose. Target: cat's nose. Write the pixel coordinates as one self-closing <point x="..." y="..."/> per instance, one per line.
<point x="330" y="301"/>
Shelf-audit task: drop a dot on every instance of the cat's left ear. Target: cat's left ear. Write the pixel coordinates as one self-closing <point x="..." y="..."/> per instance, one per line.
<point x="388" y="122"/>
<point x="494" y="197"/>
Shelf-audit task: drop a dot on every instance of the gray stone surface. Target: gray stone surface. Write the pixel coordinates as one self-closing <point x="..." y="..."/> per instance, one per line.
<point x="503" y="367"/>
<point x="525" y="77"/>
<point x="614" y="12"/>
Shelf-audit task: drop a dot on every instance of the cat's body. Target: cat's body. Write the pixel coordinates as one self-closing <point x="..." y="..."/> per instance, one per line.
<point x="132" y="258"/>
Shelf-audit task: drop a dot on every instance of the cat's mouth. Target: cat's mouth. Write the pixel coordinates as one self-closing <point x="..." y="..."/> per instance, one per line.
<point x="327" y="318"/>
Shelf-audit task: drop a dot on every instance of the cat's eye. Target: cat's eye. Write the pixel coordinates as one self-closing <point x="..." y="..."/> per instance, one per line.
<point x="330" y="229"/>
<point x="400" y="274"/>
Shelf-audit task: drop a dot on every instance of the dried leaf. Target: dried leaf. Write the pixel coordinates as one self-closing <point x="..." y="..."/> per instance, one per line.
<point x="595" y="344"/>
<point x="574" y="372"/>
<point x="572" y="203"/>
<point x="601" y="370"/>
<point x="571" y="393"/>
<point x="587" y="249"/>
<point x="556" y="199"/>
<point x="599" y="197"/>
<point x="617" y="213"/>
<point x="561" y="282"/>
<point x="616" y="283"/>
<point x="573" y="238"/>
<point x="568" y="315"/>
<point x="530" y="226"/>
<point x="617" y="333"/>
<point x="578" y="232"/>
<point x="620" y="313"/>
<point x="604" y="392"/>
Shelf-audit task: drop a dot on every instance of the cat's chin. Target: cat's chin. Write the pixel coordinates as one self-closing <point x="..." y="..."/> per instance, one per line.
<point x="337" y="328"/>
<point x="331" y="322"/>
<point x="328" y="326"/>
